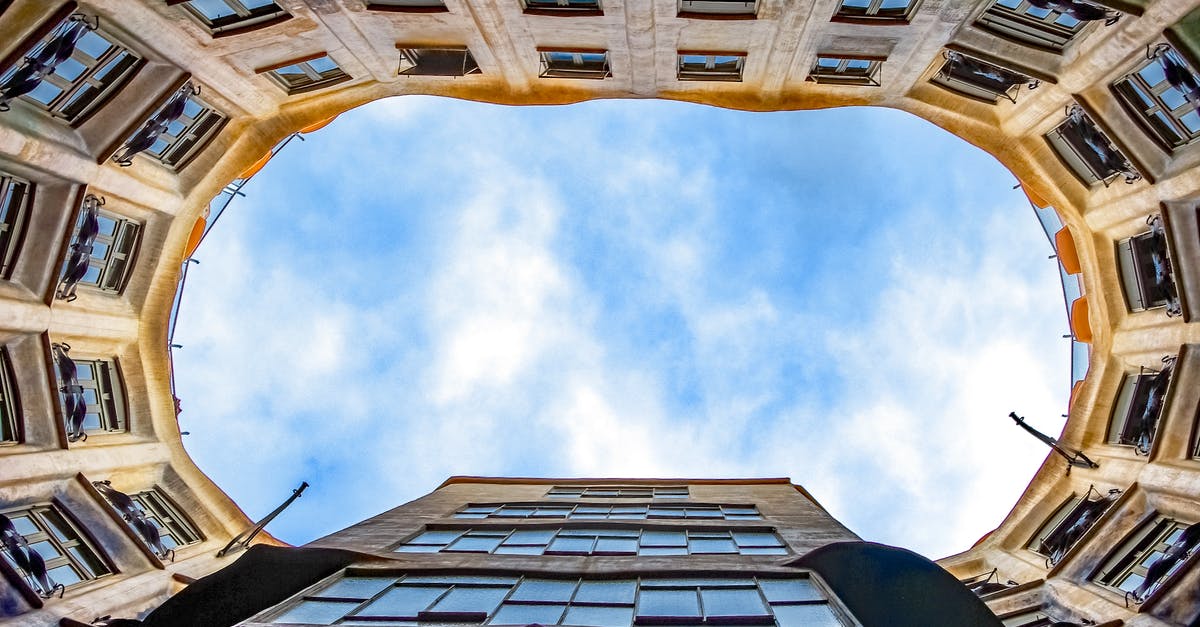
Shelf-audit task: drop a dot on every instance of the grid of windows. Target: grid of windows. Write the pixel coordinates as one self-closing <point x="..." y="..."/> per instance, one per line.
<point x="1023" y="21"/>
<point x="694" y="66"/>
<point x="891" y="10"/>
<point x="559" y="541"/>
<point x="97" y="67"/>
<point x="504" y="600"/>
<point x="619" y="492"/>
<point x="103" y="401"/>
<point x="308" y="75"/>
<point x="14" y="213"/>
<point x="845" y="70"/>
<point x="1127" y="569"/>
<point x="1158" y="93"/>
<point x="69" y="558"/>
<point x="717" y="8"/>
<point x="10" y="419"/>
<point x="174" y="529"/>
<point x="186" y="135"/>
<point x="591" y="64"/>
<point x="611" y="512"/>
<point x="111" y="251"/>
<point x="221" y="16"/>
<point x="1139" y="407"/>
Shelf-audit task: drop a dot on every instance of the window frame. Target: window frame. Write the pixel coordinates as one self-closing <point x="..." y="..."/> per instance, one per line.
<point x="635" y="491"/>
<point x="14" y="216"/>
<point x="1133" y="89"/>
<point x="606" y="511"/>
<point x="1139" y="274"/>
<point x="243" y="19"/>
<point x="563" y="8"/>
<point x="198" y="130"/>
<point x="645" y="542"/>
<point x="170" y="519"/>
<point x="840" y="74"/>
<point x="962" y="84"/>
<point x="580" y="68"/>
<point x="76" y="539"/>
<point x="121" y="246"/>
<point x="1018" y="25"/>
<point x="117" y="65"/>
<point x="407" y="6"/>
<point x="1135" y="394"/>
<point x="1058" y="525"/>
<point x="314" y="79"/>
<point x="12" y="423"/>
<point x="710" y="71"/>
<point x="412" y="54"/>
<point x="1063" y="138"/>
<point x="1129" y="557"/>
<point x="871" y="14"/>
<point x="108" y="383"/>
<point x="717" y="9"/>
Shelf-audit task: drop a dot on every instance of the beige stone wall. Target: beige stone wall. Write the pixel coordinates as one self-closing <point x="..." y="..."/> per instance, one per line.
<point x="642" y="37"/>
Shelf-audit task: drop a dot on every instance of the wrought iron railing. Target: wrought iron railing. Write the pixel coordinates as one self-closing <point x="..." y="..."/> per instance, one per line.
<point x="28" y="561"/>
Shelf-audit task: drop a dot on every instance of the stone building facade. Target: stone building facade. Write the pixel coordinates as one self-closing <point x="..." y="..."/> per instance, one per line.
<point x="124" y="123"/>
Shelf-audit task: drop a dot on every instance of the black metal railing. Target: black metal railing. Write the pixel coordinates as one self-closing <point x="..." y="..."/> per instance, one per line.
<point x="80" y="256"/>
<point x="74" y="401"/>
<point x="136" y="519"/>
<point x="44" y="59"/>
<point x="29" y="562"/>
<point x="158" y="123"/>
<point x="961" y="68"/>
<point x="1166" y="564"/>
<point x="1097" y="152"/>
<point x="1067" y="533"/>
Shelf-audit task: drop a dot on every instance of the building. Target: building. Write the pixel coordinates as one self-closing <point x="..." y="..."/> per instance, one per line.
<point x="127" y="124"/>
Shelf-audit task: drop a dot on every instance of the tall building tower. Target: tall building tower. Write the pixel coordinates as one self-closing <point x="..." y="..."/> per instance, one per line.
<point x="586" y="552"/>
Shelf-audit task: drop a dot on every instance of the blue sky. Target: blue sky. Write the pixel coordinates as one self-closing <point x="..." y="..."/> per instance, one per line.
<point x="851" y="298"/>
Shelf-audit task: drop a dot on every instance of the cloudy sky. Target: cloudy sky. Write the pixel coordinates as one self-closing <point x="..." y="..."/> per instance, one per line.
<point x="852" y="298"/>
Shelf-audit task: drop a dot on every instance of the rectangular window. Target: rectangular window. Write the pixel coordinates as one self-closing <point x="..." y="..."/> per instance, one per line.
<point x="563" y="7"/>
<point x="97" y="67"/>
<point x="186" y="136"/>
<point x="1068" y="524"/>
<point x="1034" y="617"/>
<point x="872" y="10"/>
<point x="104" y="401"/>
<point x="14" y="214"/>
<point x="1126" y="570"/>
<point x="112" y="250"/>
<point x="10" y="407"/>
<point x="589" y="64"/>
<point x="619" y="492"/>
<point x="717" y="9"/>
<point x="1140" y="405"/>
<point x="173" y="526"/>
<point x="436" y="62"/>
<point x="654" y="511"/>
<point x="1088" y="151"/>
<point x="699" y="66"/>
<point x="1022" y="21"/>
<point x="978" y="79"/>
<point x="231" y="16"/>
<point x="509" y="600"/>
<point x="1157" y="94"/>
<point x="842" y="70"/>
<point x="308" y="75"/>
<point x="1146" y="271"/>
<point x="571" y="541"/>
<point x="414" y="6"/>
<point x="69" y="558"/>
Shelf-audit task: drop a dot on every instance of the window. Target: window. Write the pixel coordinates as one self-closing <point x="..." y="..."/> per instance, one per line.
<point x="97" y="67"/>
<point x="1150" y="557"/>
<point x="14" y="213"/>
<point x="1139" y="406"/>
<point x="44" y="530"/>
<point x="90" y="390"/>
<point x="611" y="512"/>
<point x="984" y="584"/>
<point x="10" y="407"/>
<point x="979" y="79"/>
<point x="152" y="517"/>
<point x="871" y="10"/>
<point x="1164" y="93"/>
<point x="619" y="492"/>
<point x="717" y="9"/>
<point x="563" y="7"/>
<point x="308" y="75"/>
<point x="228" y="17"/>
<point x="575" y="64"/>
<point x="509" y="600"/>
<point x="559" y="541"/>
<point x="176" y="132"/>
<point x="841" y="70"/>
<point x="1068" y="524"/>
<point x="1146" y="273"/>
<point x="1036" y="617"/>
<point x="415" y="6"/>
<point x="1088" y="152"/>
<point x="101" y="252"/>
<point x="436" y="62"/>
<point x="698" y="66"/>
<point x="1050" y="29"/>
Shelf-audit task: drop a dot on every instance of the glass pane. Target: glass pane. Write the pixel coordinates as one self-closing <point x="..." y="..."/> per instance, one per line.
<point x="46" y="549"/>
<point x="663" y="550"/>
<point x="619" y="591"/>
<point x="24" y="525"/>
<point x="544" y="590"/>
<point x="708" y="545"/>
<point x="436" y="537"/>
<point x="1153" y="73"/>
<point x="571" y="545"/>
<point x="664" y="538"/>
<point x="475" y="544"/>
<point x="212" y="9"/>
<point x="256" y="4"/>
<point x="70" y="69"/>
<point x="857" y="64"/>
<point x="805" y="616"/>
<point x="519" y="550"/>
<point x="668" y="603"/>
<point x="893" y="5"/>
<point x="93" y="45"/>
<point x="777" y="590"/>
<point x="44" y="93"/>
<point x="58" y="526"/>
<point x="90" y="563"/>
<point x="599" y="616"/>
<point x="357" y="587"/>
<point x="617" y="545"/>
<point x="317" y="612"/>
<point x="65" y="575"/>
<point x="528" y="615"/>
<point x="733" y="602"/>
<point x="322" y="65"/>
<point x="773" y="550"/>
<point x="1131" y="582"/>
<point x="463" y="599"/>
<point x="1192" y="121"/>
<point x="749" y="538"/>
<point x="404" y="601"/>
<point x="420" y="548"/>
<point x="530" y="536"/>
<point x="1173" y="98"/>
<point x="291" y="70"/>
<point x="827" y="62"/>
<point x="92" y="422"/>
